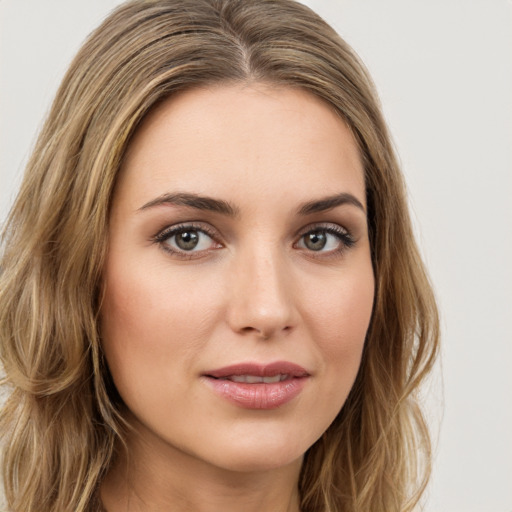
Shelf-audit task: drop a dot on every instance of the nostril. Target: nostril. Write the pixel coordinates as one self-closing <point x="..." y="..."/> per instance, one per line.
<point x="262" y="333"/>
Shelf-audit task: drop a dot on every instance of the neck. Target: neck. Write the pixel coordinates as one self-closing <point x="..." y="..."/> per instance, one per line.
<point x="160" y="477"/>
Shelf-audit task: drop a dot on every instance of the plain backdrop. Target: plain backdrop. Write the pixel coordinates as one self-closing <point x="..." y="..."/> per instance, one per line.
<point x="443" y="69"/>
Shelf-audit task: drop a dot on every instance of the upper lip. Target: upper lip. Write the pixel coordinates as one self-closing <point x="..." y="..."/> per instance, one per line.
<point x="259" y="370"/>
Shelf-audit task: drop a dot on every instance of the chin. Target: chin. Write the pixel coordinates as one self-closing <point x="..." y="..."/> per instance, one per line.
<point x="258" y="462"/>
<point x="242" y="455"/>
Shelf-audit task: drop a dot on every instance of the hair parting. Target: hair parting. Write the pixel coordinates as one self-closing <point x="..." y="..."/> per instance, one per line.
<point x="62" y="425"/>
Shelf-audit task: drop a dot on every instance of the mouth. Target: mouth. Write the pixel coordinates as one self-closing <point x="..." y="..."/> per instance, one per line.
<point x="279" y="370"/>
<point x="256" y="379"/>
<point x="256" y="386"/>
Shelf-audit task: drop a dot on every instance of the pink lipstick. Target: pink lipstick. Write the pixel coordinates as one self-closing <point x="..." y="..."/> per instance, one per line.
<point x="257" y="386"/>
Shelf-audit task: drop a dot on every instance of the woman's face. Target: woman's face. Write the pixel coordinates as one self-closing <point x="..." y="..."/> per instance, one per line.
<point x="238" y="281"/>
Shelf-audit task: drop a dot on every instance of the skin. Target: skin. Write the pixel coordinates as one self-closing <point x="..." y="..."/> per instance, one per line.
<point x="251" y="290"/>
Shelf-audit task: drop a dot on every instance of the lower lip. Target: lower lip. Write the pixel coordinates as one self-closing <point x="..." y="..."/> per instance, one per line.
<point x="259" y="395"/>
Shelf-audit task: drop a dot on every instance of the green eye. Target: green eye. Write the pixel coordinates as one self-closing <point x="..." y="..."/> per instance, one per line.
<point x="187" y="240"/>
<point x="316" y="240"/>
<point x="330" y="239"/>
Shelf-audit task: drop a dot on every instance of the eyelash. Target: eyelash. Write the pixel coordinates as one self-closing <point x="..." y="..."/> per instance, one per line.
<point x="346" y="240"/>
<point x="164" y="235"/>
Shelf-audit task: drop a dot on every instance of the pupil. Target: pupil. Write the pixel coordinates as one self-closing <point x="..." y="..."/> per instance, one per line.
<point x="187" y="240"/>
<point x="316" y="241"/>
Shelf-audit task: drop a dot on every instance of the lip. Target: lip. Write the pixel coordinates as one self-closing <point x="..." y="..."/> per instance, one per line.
<point x="260" y="395"/>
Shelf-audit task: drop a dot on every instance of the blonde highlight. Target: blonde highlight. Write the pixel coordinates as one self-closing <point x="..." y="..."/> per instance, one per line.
<point x="61" y="423"/>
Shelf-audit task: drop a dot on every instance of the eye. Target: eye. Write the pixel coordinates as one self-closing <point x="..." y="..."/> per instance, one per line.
<point x="186" y="240"/>
<point x="326" y="239"/>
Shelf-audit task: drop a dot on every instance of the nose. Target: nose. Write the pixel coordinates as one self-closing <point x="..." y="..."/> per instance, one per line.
<point x="262" y="298"/>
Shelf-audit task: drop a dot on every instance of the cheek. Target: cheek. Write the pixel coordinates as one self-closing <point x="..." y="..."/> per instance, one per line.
<point x="150" y="302"/>
<point x="340" y="319"/>
<point x="150" y="328"/>
<point x="343" y="310"/>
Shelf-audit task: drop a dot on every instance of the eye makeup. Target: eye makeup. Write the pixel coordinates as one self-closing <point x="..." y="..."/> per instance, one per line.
<point x="191" y="240"/>
<point x="182" y="240"/>
<point x="315" y="238"/>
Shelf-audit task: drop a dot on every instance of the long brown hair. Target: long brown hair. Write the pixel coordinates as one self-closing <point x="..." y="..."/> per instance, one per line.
<point x="60" y="424"/>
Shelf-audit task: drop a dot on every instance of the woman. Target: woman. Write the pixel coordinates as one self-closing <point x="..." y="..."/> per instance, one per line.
<point x="211" y="298"/>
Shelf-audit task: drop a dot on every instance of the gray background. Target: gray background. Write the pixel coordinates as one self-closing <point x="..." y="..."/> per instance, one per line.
<point x="444" y="72"/>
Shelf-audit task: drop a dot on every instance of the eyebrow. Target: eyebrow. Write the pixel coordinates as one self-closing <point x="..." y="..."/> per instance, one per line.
<point x="330" y="202"/>
<point x="193" y="201"/>
<point x="206" y="203"/>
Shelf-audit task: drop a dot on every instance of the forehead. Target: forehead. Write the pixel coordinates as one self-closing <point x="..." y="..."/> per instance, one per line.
<point x="228" y="139"/>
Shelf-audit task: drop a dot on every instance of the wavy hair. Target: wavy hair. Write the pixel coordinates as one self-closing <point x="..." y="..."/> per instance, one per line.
<point x="61" y="424"/>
